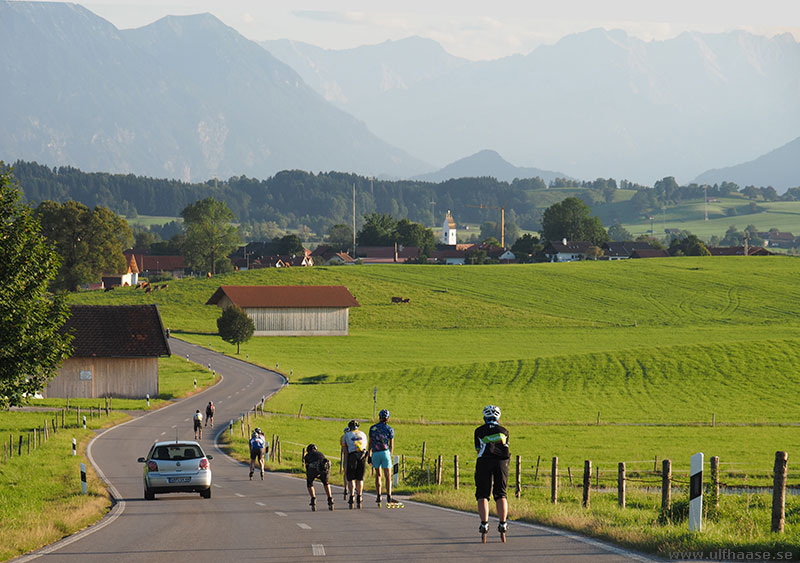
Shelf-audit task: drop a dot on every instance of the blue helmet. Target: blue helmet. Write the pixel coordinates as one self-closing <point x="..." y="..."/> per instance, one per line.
<point x="384" y="414"/>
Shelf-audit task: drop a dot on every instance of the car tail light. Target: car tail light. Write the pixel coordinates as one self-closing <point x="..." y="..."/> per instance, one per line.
<point x="152" y="466"/>
<point x="204" y="463"/>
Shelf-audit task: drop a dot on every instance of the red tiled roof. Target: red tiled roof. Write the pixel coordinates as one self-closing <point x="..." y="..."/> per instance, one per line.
<point x="650" y="253"/>
<point x="285" y="296"/>
<point x="116" y="331"/>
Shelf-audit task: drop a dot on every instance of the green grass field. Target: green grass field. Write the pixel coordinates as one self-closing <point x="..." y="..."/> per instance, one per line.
<point x="656" y="347"/>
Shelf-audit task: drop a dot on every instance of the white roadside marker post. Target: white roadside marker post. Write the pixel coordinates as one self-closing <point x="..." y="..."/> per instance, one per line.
<point x="396" y="470"/>
<point x="696" y="494"/>
<point x="74" y="447"/>
<point x="84" y="421"/>
<point x="83" y="478"/>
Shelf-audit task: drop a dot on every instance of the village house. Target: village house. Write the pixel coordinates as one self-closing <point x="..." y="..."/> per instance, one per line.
<point x="396" y="254"/>
<point x="150" y="264"/>
<point x="566" y="251"/>
<point x="129" y="278"/>
<point x="290" y="310"/>
<point x="623" y="250"/>
<point x="739" y="251"/>
<point x="326" y="255"/>
<point x="115" y="352"/>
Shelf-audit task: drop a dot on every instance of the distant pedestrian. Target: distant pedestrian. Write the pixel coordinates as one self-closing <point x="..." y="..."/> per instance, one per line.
<point x="354" y="448"/>
<point x="198" y="425"/>
<point x="381" y="446"/>
<point x="210" y="408"/>
<point x="317" y="467"/>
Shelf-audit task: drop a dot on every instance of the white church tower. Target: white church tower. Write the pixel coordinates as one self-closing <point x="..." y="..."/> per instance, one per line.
<point x="449" y="230"/>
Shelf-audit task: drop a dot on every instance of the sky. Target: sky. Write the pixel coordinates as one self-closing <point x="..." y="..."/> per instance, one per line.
<point x="473" y="29"/>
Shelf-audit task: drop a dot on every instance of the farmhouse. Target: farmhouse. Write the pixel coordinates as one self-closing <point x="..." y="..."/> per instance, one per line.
<point x="290" y="310"/>
<point x="566" y="251"/>
<point x="115" y="352"/>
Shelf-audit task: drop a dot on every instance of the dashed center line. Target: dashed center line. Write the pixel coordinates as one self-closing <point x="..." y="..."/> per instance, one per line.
<point x="281" y="513"/>
<point x="304" y="526"/>
<point x="260" y="503"/>
<point x="239" y="495"/>
<point x="318" y="549"/>
<point x="163" y="432"/>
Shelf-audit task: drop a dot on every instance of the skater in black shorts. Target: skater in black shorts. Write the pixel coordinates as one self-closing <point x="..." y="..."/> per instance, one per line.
<point x="491" y="468"/>
<point x="317" y="466"/>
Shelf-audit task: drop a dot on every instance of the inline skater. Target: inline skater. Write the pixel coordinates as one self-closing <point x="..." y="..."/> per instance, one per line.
<point x="317" y="466"/>
<point x="198" y="424"/>
<point x="210" y="413"/>
<point x="258" y="448"/>
<point x="343" y="461"/>
<point x="381" y="446"/>
<point x="491" y="469"/>
<point x="354" y="448"/>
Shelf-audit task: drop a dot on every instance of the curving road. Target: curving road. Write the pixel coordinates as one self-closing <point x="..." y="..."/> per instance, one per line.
<point x="270" y="520"/>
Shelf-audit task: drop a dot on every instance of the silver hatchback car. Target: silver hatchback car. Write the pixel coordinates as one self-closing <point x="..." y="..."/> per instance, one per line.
<point x="176" y="467"/>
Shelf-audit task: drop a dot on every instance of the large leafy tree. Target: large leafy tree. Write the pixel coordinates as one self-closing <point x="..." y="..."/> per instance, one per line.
<point x="235" y="326"/>
<point x="289" y="245"/>
<point x="31" y="344"/>
<point x="340" y="237"/>
<point x="618" y="233"/>
<point x="210" y="236"/>
<point x="572" y="219"/>
<point x="378" y="230"/>
<point x="89" y="242"/>
<point x="414" y="234"/>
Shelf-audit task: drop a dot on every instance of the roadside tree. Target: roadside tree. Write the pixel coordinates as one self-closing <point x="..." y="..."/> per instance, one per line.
<point x="234" y="326"/>
<point x="618" y="233"/>
<point x="340" y="237"/>
<point x="31" y="344"/>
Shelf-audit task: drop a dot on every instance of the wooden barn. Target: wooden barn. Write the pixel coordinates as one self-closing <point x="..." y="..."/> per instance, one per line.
<point x="291" y="310"/>
<point x="115" y="352"/>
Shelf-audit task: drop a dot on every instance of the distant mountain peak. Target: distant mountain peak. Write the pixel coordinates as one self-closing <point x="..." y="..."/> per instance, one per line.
<point x="487" y="163"/>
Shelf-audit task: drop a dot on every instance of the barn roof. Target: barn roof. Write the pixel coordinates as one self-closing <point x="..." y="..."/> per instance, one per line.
<point x="116" y="331"/>
<point x="275" y="296"/>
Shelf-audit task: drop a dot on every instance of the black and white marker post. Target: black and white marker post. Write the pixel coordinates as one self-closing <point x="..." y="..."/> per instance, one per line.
<point x="74" y="447"/>
<point x="696" y="494"/>
<point x="83" y="478"/>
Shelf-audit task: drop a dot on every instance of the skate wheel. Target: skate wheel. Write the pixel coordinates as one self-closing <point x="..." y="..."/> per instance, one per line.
<point x="483" y="538"/>
<point x="503" y="537"/>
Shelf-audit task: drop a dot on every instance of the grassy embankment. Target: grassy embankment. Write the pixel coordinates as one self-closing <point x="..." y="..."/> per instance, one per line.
<point x="656" y="342"/>
<point x="40" y="500"/>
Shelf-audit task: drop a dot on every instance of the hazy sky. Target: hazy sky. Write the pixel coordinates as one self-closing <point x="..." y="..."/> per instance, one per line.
<point x="475" y="29"/>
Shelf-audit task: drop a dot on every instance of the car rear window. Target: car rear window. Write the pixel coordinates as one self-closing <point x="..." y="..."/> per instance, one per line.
<point x="177" y="452"/>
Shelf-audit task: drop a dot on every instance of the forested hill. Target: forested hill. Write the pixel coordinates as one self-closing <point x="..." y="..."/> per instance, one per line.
<point x="289" y="198"/>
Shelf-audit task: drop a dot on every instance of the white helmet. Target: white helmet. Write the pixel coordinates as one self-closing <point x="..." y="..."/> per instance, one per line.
<point x="491" y="413"/>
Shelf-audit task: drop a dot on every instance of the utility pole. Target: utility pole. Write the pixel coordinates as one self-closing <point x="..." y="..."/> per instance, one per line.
<point x="705" y="200"/>
<point x="354" y="220"/>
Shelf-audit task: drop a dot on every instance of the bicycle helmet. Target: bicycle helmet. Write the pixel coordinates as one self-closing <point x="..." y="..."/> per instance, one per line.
<point x="384" y="414"/>
<point x="259" y="431"/>
<point x="311" y="448"/>
<point x="491" y="413"/>
<point x="352" y="425"/>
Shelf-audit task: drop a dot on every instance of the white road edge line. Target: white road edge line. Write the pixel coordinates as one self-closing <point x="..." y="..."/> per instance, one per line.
<point x="116" y="510"/>
<point x="318" y="550"/>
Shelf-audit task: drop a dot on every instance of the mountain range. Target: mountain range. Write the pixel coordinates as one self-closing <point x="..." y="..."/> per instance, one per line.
<point x="597" y="103"/>
<point x="490" y="164"/>
<point x="190" y="98"/>
<point x="184" y="97"/>
<point x="779" y="168"/>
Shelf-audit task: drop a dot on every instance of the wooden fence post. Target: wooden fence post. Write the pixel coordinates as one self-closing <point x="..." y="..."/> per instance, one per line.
<point x="78" y="419"/>
<point x="715" y="480"/>
<point x="554" y="482"/>
<point x="779" y="492"/>
<point x="519" y="477"/>
<point x="280" y="457"/>
<point x="403" y="467"/>
<point x="666" y="485"/>
<point x="436" y="471"/>
<point x="621" y="484"/>
<point x="455" y="471"/>
<point x="422" y="463"/>
<point x="538" y="459"/>
<point x="19" y="451"/>
<point x="587" y="482"/>
<point x="569" y="474"/>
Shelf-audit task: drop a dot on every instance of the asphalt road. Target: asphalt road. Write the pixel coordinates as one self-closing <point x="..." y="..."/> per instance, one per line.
<point x="270" y="520"/>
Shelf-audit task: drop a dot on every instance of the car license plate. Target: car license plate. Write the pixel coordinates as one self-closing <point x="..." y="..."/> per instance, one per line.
<point x="179" y="479"/>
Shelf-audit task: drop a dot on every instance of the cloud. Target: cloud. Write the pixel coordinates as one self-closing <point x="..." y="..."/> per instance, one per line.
<point x="248" y="18"/>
